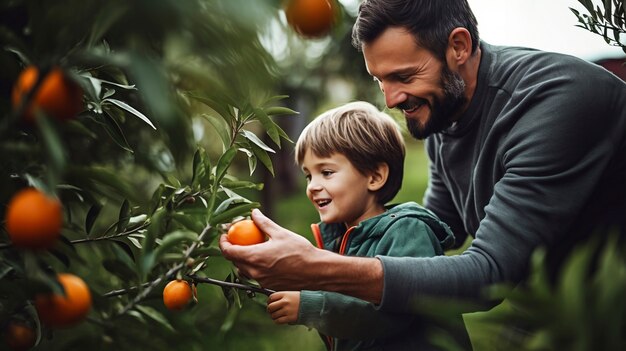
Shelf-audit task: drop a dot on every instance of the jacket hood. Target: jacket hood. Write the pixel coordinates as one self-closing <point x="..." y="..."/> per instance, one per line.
<point x="376" y="226"/>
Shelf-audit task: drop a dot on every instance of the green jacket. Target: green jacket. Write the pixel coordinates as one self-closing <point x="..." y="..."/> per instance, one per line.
<point x="348" y="323"/>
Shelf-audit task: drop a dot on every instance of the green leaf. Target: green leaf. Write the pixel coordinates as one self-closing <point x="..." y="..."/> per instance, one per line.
<point x="216" y="105"/>
<point x="241" y="184"/>
<point x="256" y="141"/>
<point x="155" y="316"/>
<point x="268" y="124"/>
<point x="119" y="269"/>
<point x="53" y="147"/>
<point x="279" y="110"/>
<point x="190" y="222"/>
<point x="92" y="215"/>
<point x="263" y="157"/>
<point x="208" y="251"/>
<point x="220" y="127"/>
<point x="113" y="129"/>
<point x="157" y="197"/>
<point x="235" y="211"/>
<point x="172" y="239"/>
<point x="154" y="229"/>
<point x="229" y="201"/>
<point x="127" y="107"/>
<point x="224" y="163"/>
<point x="107" y="177"/>
<point x="123" y="217"/>
<point x="201" y="176"/>
<point x="231" y="317"/>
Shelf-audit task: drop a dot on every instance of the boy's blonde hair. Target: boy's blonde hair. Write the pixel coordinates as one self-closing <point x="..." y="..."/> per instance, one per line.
<point x="366" y="136"/>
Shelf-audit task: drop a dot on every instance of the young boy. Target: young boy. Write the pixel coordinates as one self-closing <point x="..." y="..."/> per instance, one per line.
<point x="353" y="160"/>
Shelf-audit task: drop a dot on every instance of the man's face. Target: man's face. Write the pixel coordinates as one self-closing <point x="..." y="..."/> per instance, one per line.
<point x="413" y="80"/>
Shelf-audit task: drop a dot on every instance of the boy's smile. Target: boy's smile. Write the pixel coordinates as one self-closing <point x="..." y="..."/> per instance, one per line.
<point x="339" y="192"/>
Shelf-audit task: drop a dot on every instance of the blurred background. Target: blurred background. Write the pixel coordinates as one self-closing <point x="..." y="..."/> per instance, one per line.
<point x="174" y="62"/>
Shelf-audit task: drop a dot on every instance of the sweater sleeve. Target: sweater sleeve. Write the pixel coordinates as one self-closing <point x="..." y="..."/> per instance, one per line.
<point x="347" y="317"/>
<point x="342" y="316"/>
<point x="563" y="141"/>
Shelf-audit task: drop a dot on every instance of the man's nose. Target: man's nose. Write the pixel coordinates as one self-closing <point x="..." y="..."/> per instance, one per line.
<point x="393" y="95"/>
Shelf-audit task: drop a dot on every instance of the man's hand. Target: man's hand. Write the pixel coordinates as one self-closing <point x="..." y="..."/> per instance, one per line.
<point x="283" y="306"/>
<point x="280" y="263"/>
<point x="288" y="261"/>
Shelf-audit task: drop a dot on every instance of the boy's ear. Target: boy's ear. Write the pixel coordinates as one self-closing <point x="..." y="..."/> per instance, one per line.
<point x="378" y="177"/>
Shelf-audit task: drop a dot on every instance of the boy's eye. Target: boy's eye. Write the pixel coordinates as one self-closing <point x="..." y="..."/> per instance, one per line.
<point x="327" y="173"/>
<point x="307" y="177"/>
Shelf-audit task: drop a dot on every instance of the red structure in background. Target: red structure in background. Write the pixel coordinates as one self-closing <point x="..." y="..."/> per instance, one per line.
<point x="615" y="65"/>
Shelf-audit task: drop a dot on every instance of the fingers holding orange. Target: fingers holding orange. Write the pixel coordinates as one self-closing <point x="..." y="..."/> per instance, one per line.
<point x="245" y="232"/>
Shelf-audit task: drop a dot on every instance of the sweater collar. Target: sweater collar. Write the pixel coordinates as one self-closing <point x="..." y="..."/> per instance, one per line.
<point x="468" y="118"/>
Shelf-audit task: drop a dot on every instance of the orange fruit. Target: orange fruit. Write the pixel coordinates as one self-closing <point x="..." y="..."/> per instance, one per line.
<point x="56" y="95"/>
<point x="311" y="18"/>
<point x="245" y="232"/>
<point x="19" y="337"/>
<point x="177" y="294"/>
<point x="33" y="220"/>
<point x="65" y="310"/>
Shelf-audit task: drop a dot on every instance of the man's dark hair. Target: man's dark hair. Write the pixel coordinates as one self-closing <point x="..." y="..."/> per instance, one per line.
<point x="430" y="21"/>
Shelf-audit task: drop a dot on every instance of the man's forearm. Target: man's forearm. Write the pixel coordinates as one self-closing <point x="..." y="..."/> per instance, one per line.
<point x="361" y="277"/>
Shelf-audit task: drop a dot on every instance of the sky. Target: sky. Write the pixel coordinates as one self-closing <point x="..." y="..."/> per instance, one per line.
<point x="543" y="24"/>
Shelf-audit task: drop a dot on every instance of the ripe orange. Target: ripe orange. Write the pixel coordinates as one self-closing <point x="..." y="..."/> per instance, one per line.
<point x="33" y="220"/>
<point x="19" y="337"/>
<point x="57" y="95"/>
<point x="311" y="18"/>
<point x="245" y="232"/>
<point x="177" y="294"/>
<point x="63" y="311"/>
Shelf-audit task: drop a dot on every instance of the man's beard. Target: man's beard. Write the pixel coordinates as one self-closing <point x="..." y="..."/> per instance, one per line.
<point x="443" y="111"/>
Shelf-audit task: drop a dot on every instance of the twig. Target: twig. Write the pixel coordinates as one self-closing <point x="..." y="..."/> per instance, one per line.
<point x="170" y="273"/>
<point x="127" y="233"/>
<point x="123" y="291"/>
<point x="231" y="285"/>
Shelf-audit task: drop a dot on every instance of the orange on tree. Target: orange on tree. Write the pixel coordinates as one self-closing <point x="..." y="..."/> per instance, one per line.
<point x="245" y="232"/>
<point x="33" y="220"/>
<point x="56" y="310"/>
<point x="19" y="337"/>
<point x="56" y="96"/>
<point x="177" y="294"/>
<point x="311" y="18"/>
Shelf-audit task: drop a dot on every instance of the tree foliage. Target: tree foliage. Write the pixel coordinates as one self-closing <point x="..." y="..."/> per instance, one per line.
<point x="176" y="95"/>
<point x="607" y="19"/>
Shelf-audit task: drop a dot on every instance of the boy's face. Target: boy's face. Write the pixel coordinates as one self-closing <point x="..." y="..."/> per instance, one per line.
<point x="338" y="191"/>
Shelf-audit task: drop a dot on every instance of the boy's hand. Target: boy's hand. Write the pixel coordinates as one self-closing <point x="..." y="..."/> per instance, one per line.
<point x="283" y="306"/>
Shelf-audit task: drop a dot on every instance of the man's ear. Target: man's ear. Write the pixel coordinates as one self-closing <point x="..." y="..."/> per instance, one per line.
<point x="459" y="47"/>
<point x="378" y="177"/>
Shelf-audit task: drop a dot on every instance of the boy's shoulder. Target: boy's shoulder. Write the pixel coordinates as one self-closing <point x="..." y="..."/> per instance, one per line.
<point x="407" y="212"/>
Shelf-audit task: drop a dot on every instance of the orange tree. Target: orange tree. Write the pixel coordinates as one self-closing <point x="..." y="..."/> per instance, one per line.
<point x="174" y="97"/>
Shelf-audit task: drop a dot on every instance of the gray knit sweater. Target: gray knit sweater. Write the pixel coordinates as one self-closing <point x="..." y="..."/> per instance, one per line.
<point x="538" y="159"/>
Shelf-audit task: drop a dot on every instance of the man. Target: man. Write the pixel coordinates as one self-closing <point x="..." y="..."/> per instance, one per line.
<point x="527" y="150"/>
